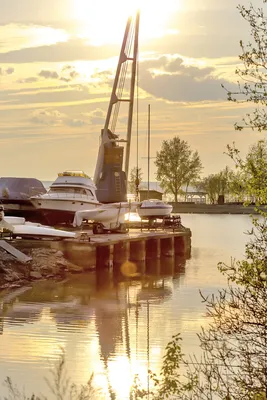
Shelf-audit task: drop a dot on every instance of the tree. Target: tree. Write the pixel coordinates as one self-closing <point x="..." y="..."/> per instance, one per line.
<point x="177" y="165"/>
<point x="237" y="186"/>
<point x="136" y="175"/>
<point x="234" y="360"/>
<point x="253" y="169"/>
<point x="252" y="86"/>
<point x="216" y="184"/>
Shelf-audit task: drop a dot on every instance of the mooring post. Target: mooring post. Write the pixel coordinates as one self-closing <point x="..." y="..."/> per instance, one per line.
<point x="153" y="248"/>
<point x="138" y="250"/>
<point x="167" y="246"/>
<point x="167" y="265"/>
<point x="180" y="245"/>
<point x="104" y="256"/>
<point x="153" y="266"/>
<point x="121" y="252"/>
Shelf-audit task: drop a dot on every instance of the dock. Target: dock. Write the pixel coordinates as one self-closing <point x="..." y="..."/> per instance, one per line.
<point x="107" y="250"/>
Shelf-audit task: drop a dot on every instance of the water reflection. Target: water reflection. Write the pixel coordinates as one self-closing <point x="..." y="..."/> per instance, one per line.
<point x="117" y="324"/>
<point x="111" y="305"/>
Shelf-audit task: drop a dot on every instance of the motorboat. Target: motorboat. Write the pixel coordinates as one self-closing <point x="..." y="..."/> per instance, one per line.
<point x="153" y="208"/>
<point x="72" y="191"/>
<point x="107" y="217"/>
<point x="15" y="196"/>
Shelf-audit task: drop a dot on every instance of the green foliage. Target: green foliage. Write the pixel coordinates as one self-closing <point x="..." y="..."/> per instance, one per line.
<point x="177" y="165"/>
<point x="253" y="77"/>
<point x="253" y="170"/>
<point x="170" y="383"/>
<point x="216" y="184"/>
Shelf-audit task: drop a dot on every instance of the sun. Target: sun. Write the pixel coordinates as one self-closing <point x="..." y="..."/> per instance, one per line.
<point x="103" y="21"/>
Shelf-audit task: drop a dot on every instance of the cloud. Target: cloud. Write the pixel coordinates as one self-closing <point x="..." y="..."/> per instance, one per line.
<point x="71" y="50"/>
<point x="7" y="71"/>
<point x="20" y="36"/>
<point x="76" y="123"/>
<point x="171" y="79"/>
<point x="30" y="79"/>
<point x="67" y="74"/>
<point x="48" y="74"/>
<point x="32" y="10"/>
<point x="34" y="96"/>
<point x="55" y="118"/>
<point x="47" y="117"/>
<point x="96" y="117"/>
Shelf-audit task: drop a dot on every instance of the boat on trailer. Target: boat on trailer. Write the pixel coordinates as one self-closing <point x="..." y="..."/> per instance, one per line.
<point x="153" y="208"/>
<point x="72" y="191"/>
<point x="106" y="218"/>
<point x="15" y="196"/>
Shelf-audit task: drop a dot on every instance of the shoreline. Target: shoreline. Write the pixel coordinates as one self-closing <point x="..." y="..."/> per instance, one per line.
<point x="192" y="208"/>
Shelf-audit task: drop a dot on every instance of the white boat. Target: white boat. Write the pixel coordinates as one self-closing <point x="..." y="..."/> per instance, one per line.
<point x="154" y="208"/>
<point x="21" y="228"/>
<point x="72" y="191"/>
<point x="107" y="217"/>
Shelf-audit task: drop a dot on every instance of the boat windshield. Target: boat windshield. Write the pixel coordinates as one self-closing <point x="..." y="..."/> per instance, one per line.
<point x="70" y="190"/>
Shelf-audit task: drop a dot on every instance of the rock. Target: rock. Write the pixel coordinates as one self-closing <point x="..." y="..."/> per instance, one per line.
<point x="35" y="275"/>
<point x="75" y="269"/>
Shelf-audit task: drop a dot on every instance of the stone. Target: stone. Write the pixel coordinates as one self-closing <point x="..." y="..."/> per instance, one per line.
<point x="75" y="269"/>
<point x="35" y="275"/>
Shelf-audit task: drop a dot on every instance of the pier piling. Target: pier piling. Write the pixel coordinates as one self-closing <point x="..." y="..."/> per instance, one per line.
<point x="138" y="250"/>
<point x="153" y="248"/>
<point x="167" y="246"/>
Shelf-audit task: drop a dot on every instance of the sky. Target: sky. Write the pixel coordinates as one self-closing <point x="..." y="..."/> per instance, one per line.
<point x="57" y="65"/>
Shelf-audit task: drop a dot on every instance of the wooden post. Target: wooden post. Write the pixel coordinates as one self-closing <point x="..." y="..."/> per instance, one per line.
<point x="167" y="246"/>
<point x="138" y="250"/>
<point x="104" y="256"/>
<point x="167" y="265"/>
<point x="153" y="248"/>
<point x="153" y="266"/>
<point x="179" y="245"/>
<point x="121" y="252"/>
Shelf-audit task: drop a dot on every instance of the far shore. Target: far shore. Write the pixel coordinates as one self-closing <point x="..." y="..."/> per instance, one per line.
<point x="201" y="208"/>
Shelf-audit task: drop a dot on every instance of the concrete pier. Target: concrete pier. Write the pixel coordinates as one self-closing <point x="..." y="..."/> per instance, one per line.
<point x="121" y="252"/>
<point x="114" y="250"/>
<point x="138" y="250"/>
<point x="153" y="248"/>
<point x="167" y="246"/>
<point x="104" y="256"/>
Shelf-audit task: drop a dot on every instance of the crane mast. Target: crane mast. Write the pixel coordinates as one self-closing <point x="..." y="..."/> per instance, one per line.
<point x="111" y="172"/>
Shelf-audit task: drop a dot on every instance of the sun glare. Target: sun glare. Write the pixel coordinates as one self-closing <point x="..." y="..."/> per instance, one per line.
<point x="102" y="21"/>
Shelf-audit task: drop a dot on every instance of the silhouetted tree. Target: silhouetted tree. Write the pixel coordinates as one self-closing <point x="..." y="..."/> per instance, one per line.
<point x="177" y="165"/>
<point x="252" y="85"/>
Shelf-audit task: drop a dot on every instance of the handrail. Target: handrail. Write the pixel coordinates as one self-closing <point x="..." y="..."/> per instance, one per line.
<point x="65" y="195"/>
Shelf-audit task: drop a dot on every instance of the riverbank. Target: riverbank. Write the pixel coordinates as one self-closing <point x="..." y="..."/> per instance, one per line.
<point x="191" y="208"/>
<point x="46" y="263"/>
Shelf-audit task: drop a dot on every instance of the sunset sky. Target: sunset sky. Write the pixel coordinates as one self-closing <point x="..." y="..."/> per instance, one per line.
<point x="57" y="65"/>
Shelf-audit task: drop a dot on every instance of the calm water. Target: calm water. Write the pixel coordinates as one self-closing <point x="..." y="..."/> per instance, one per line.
<point x="112" y="326"/>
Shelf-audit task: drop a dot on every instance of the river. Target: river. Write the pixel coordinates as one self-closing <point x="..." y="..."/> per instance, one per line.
<point x="111" y="325"/>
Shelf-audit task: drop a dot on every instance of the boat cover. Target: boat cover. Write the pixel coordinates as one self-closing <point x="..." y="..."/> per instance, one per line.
<point x="20" y="188"/>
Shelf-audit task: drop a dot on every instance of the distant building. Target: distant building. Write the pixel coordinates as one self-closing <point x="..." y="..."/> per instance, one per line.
<point x="189" y="194"/>
<point x="193" y="195"/>
<point x="155" y="191"/>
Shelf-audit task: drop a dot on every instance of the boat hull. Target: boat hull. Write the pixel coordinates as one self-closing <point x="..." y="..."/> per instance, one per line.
<point x="154" y="212"/>
<point x="23" y="209"/>
<point x="61" y="211"/>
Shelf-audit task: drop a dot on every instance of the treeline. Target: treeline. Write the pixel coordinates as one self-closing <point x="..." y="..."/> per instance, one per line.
<point x="179" y="167"/>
